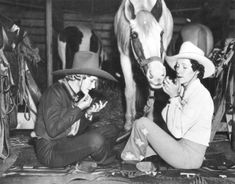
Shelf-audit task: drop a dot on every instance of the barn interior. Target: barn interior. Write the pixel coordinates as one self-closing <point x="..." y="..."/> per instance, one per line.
<point x="44" y="19"/>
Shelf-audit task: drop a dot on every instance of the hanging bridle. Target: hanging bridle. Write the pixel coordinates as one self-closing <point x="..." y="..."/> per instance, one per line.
<point x="139" y="53"/>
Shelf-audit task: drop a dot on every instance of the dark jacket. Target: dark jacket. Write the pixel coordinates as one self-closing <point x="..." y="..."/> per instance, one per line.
<point x="56" y="113"/>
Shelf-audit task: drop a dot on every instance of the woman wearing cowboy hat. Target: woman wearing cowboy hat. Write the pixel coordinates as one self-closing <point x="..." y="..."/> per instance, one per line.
<point x="64" y="116"/>
<point x="188" y="116"/>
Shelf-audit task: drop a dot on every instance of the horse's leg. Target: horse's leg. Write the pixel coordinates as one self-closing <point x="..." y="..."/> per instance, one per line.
<point x="130" y="91"/>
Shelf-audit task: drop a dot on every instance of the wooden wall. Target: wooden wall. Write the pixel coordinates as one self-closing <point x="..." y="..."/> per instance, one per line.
<point x="232" y="19"/>
<point x="103" y="26"/>
<point x="33" y="20"/>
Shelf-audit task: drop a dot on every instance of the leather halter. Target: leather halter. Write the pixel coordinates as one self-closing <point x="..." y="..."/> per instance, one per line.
<point x="139" y="53"/>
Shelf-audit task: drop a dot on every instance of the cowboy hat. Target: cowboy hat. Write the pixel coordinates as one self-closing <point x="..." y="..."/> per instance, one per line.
<point x="86" y="62"/>
<point x="189" y="51"/>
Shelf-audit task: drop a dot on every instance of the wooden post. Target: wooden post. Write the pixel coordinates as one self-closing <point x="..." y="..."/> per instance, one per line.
<point x="233" y="101"/>
<point x="49" y="41"/>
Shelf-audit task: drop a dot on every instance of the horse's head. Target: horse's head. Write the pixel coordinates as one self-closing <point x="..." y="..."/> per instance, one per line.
<point x="147" y="44"/>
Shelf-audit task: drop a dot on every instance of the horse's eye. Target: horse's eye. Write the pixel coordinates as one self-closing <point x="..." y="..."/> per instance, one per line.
<point x="134" y="35"/>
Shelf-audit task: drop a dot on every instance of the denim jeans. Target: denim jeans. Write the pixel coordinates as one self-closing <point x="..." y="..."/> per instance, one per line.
<point x="95" y="142"/>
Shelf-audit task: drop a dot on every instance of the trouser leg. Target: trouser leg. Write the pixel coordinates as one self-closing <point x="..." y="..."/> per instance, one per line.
<point x="109" y="132"/>
<point x="72" y="149"/>
<point x="179" y="154"/>
<point x="136" y="145"/>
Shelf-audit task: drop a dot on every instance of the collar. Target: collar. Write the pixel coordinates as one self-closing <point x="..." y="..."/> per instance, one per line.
<point x="69" y="90"/>
<point x="193" y="86"/>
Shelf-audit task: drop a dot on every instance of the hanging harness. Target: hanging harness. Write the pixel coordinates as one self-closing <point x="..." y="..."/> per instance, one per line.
<point x="8" y="103"/>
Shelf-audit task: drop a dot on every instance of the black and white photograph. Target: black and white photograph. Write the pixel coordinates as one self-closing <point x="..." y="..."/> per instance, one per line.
<point x="117" y="91"/>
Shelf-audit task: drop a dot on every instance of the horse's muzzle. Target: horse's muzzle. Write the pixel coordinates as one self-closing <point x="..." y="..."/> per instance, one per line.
<point x="156" y="74"/>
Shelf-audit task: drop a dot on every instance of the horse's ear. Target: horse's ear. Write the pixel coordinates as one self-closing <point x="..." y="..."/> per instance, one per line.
<point x="157" y="10"/>
<point x="129" y="10"/>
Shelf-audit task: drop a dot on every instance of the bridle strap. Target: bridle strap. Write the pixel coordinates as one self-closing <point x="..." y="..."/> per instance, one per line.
<point x="139" y="52"/>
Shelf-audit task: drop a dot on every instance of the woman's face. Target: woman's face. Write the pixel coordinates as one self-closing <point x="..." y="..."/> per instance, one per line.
<point x="184" y="71"/>
<point x="88" y="83"/>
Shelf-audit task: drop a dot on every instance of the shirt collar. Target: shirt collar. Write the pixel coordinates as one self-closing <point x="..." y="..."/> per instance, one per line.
<point x="69" y="90"/>
<point x="190" y="88"/>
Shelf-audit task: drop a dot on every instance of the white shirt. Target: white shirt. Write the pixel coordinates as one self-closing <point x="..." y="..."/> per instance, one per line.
<point x="190" y="116"/>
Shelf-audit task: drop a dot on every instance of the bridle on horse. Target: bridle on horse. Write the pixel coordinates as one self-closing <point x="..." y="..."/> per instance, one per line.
<point x="142" y="61"/>
<point x="139" y="53"/>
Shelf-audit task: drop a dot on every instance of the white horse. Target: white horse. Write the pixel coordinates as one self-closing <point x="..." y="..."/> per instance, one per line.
<point x="143" y="28"/>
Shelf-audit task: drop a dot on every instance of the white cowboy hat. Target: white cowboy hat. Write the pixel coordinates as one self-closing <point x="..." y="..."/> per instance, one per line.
<point x="189" y="51"/>
<point x="86" y="62"/>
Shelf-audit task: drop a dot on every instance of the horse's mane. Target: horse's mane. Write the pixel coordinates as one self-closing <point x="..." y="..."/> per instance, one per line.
<point x="123" y="28"/>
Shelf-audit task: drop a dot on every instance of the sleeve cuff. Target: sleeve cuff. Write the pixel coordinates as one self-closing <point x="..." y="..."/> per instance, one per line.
<point x="89" y="116"/>
<point x="174" y="99"/>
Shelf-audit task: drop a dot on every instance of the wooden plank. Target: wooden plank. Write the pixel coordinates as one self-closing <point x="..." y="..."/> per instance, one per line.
<point x="104" y="27"/>
<point x="95" y="26"/>
<point x="32" y="15"/>
<point x="17" y="14"/>
<point x="179" y="20"/>
<point x="35" y="31"/>
<point x="106" y="42"/>
<point x="232" y="14"/>
<point x="75" y="23"/>
<point x="49" y="41"/>
<point x="33" y="23"/>
<point x="104" y="34"/>
<point x="38" y="39"/>
<point x="40" y="46"/>
<point x="79" y="17"/>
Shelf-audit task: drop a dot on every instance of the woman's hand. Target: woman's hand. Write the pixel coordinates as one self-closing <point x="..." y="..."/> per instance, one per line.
<point x="171" y="88"/>
<point x="85" y="102"/>
<point x="96" y="107"/>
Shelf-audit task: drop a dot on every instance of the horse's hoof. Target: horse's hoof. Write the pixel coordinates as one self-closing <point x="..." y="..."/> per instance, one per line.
<point x="128" y="126"/>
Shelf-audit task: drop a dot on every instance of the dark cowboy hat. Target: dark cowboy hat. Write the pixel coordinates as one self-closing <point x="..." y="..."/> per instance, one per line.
<point x="86" y="62"/>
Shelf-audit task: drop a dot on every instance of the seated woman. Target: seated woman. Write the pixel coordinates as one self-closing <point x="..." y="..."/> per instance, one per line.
<point x="65" y="113"/>
<point x="188" y="116"/>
